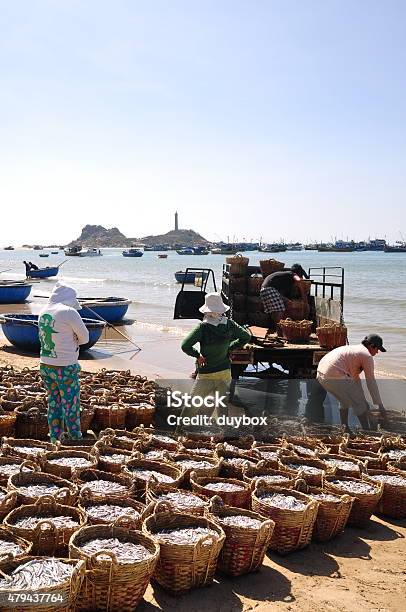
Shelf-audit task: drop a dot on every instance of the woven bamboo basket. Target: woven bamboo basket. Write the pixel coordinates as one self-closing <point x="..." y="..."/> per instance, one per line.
<point x="46" y="538"/>
<point x="32" y="423"/>
<point x="110" y="585"/>
<point x="363" y="443"/>
<point x="372" y="460"/>
<point x="66" y="494"/>
<point x="331" y="335"/>
<point x="121" y="439"/>
<point x="397" y="466"/>
<point x="332" y="516"/>
<point x="364" y="505"/>
<point x="240" y="498"/>
<point x="196" y="446"/>
<point x="393" y="500"/>
<point x="108" y="460"/>
<point x="8" y="501"/>
<point x="7" y="423"/>
<point x="84" y="444"/>
<point x="155" y="493"/>
<point x="164" y="442"/>
<point x="86" y="417"/>
<point x="242" y="442"/>
<point x="244" y="548"/>
<point x="65" y="471"/>
<point x="182" y="567"/>
<point x="312" y="479"/>
<point x="109" y="416"/>
<point x="295" y="331"/>
<point x="269" y="266"/>
<point x="11" y="465"/>
<point x="293" y="528"/>
<point x="269" y="453"/>
<point x="213" y="470"/>
<point x="8" y="536"/>
<point x="262" y="472"/>
<point x="12" y="447"/>
<point x="238" y="264"/>
<point x="239" y="302"/>
<point x="65" y="591"/>
<point x="86" y="501"/>
<point x="141" y="414"/>
<point x="166" y="468"/>
<point x="88" y="476"/>
<point x="235" y="462"/>
<point x="297" y="309"/>
<point x="254" y="284"/>
<point x="355" y="466"/>
<point x="238" y="284"/>
<point x="332" y="441"/>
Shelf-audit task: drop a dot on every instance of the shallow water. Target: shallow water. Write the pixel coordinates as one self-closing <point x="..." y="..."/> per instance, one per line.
<point x="375" y="291"/>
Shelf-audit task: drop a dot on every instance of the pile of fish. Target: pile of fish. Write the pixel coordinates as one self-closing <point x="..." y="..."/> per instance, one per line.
<point x="38" y="490"/>
<point x="105" y="487"/>
<point x="284" y="502"/>
<point x="72" y="462"/>
<point x="182" y="500"/>
<point x="125" y="552"/>
<point x="354" y="486"/>
<point x="185" y="535"/>
<point x="239" y="520"/>
<point x="111" y="512"/>
<point x="145" y="474"/>
<point x="394" y="480"/>
<point x="8" y="548"/>
<point x="37" y="574"/>
<point x="226" y="487"/>
<point x="61" y="522"/>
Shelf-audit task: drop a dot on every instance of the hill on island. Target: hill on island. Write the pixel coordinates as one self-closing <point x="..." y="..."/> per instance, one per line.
<point x="98" y="236"/>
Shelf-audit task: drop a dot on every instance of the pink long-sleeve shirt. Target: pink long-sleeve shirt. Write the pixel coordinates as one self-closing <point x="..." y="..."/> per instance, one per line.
<point x="349" y="362"/>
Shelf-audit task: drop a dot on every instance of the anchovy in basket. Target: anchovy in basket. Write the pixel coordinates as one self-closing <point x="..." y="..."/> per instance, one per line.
<point x="115" y="458"/>
<point x="9" y="549"/>
<point x="269" y="455"/>
<point x="396" y="454"/>
<point x="310" y="469"/>
<point x="30" y="522"/>
<point x="111" y="512"/>
<point x="192" y="464"/>
<point x="354" y="487"/>
<point x="185" y="535"/>
<point x="164" y="439"/>
<point x="8" y="469"/>
<point x="105" y="487"/>
<point x="239" y="520"/>
<point x="231" y="448"/>
<point x="73" y="462"/>
<point x="284" y="502"/>
<point x="394" y="480"/>
<point x="325" y="497"/>
<point x="155" y="454"/>
<point x="272" y="478"/>
<point x="37" y="574"/>
<point x="238" y="461"/>
<point x="342" y="464"/>
<point x="126" y="552"/>
<point x="201" y="451"/>
<point x="147" y="474"/>
<point x="29" y="450"/>
<point x="303" y="450"/>
<point x="38" y="490"/>
<point x="182" y="500"/>
<point x="223" y="486"/>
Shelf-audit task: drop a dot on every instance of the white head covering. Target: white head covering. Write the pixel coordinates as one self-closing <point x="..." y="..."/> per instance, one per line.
<point x="63" y="294"/>
<point x="214" y="304"/>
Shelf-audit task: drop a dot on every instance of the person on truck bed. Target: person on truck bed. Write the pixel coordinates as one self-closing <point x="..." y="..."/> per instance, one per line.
<point x="339" y="374"/>
<point x="217" y="336"/>
<point x="278" y="288"/>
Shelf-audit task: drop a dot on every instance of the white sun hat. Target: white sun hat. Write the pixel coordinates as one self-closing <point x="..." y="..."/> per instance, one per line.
<point x="213" y="303"/>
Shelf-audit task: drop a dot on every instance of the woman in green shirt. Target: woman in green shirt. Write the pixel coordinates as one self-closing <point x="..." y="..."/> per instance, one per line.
<point x="217" y="336"/>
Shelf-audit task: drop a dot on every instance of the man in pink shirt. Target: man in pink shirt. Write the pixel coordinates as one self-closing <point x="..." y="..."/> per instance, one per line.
<point x="339" y="374"/>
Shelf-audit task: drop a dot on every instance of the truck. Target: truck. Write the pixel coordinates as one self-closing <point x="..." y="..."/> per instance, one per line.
<point x="268" y="355"/>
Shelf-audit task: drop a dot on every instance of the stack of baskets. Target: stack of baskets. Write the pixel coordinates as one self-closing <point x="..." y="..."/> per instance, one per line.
<point x="295" y="331"/>
<point x="332" y="335"/>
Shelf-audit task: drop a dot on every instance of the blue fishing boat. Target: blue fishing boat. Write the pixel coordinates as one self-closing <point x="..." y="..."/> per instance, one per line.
<point x="111" y="309"/>
<point x="14" y="292"/>
<point x="44" y="254"/>
<point x="188" y="278"/>
<point x="43" y="272"/>
<point x="21" y="330"/>
<point x="132" y="253"/>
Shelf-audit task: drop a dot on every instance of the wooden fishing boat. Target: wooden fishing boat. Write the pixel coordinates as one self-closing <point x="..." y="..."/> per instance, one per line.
<point x="44" y="254"/>
<point x="43" y="272"/>
<point x="78" y="251"/>
<point x="21" y="330"/>
<point x="110" y="309"/>
<point x="132" y="253"/>
<point x="14" y="292"/>
<point x="9" y="248"/>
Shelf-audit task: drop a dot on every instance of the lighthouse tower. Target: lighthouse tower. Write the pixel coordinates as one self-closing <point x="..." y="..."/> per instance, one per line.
<point x="176" y="222"/>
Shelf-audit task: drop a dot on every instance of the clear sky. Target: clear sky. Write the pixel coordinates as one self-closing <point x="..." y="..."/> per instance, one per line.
<point x="273" y="118"/>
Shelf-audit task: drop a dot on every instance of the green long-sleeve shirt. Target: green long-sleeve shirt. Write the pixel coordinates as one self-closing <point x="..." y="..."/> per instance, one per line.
<point x="216" y="342"/>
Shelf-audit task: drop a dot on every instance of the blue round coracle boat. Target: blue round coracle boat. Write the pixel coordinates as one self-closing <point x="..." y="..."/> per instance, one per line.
<point x="14" y="292"/>
<point x="21" y="330"/>
<point x="110" y="309"/>
<point x="188" y="278"/>
<point x="43" y="272"/>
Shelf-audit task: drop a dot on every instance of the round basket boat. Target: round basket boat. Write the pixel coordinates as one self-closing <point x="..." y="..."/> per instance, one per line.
<point x="21" y="330"/>
<point x="14" y="293"/>
<point x="111" y="309"/>
<point x="183" y="566"/>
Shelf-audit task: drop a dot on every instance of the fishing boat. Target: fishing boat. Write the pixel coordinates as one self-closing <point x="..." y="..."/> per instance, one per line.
<point x="37" y="247"/>
<point x="9" y="248"/>
<point x="44" y="254"/>
<point x="163" y="255"/>
<point x="54" y="252"/>
<point x="399" y="247"/>
<point x="188" y="278"/>
<point x="132" y="253"/>
<point x="272" y="248"/>
<point x="198" y="250"/>
<point x="78" y="251"/>
<point x="225" y="249"/>
<point x="21" y="330"/>
<point x="110" y="309"/>
<point x="43" y="272"/>
<point x="14" y="292"/>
